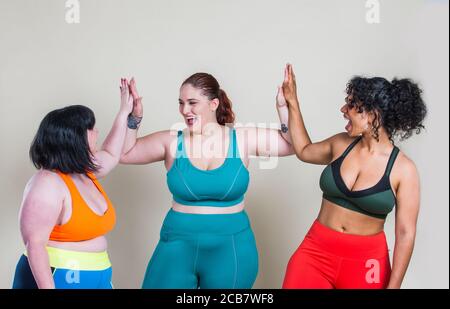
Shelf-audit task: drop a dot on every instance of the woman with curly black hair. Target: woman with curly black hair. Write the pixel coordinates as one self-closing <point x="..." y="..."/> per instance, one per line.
<point x="366" y="175"/>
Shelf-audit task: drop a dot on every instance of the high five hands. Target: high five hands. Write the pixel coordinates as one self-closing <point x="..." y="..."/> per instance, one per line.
<point x="130" y="99"/>
<point x="126" y="100"/>
<point x="138" y="110"/>
<point x="287" y="93"/>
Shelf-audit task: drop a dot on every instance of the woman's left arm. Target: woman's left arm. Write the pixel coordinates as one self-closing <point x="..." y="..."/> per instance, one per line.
<point x="109" y="155"/>
<point x="407" y="211"/>
<point x="283" y="114"/>
<point x="266" y="142"/>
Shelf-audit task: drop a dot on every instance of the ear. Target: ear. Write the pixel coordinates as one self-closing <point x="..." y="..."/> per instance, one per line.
<point x="214" y="104"/>
<point x="373" y="116"/>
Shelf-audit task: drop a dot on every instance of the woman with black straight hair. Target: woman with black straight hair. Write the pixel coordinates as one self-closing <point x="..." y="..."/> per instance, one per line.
<point x="65" y="213"/>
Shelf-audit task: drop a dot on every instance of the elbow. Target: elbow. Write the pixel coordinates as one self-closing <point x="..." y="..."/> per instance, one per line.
<point x="112" y="161"/>
<point x="33" y="245"/>
<point x="300" y="152"/>
<point x="123" y="159"/>
<point x="406" y="236"/>
<point x="291" y="150"/>
<point x="115" y="161"/>
<point x="110" y="158"/>
<point x="124" y="156"/>
<point x="299" y="155"/>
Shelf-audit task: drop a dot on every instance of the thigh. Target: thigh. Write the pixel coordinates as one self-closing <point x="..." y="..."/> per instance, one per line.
<point x="228" y="262"/>
<point x="81" y="279"/>
<point x="247" y="259"/>
<point x="309" y="268"/>
<point x="371" y="273"/>
<point x="23" y="276"/>
<point x="172" y="265"/>
<point x="106" y="281"/>
<point x="63" y="278"/>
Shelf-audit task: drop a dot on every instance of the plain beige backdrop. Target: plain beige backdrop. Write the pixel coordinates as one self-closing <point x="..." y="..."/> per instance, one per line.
<point x="46" y="63"/>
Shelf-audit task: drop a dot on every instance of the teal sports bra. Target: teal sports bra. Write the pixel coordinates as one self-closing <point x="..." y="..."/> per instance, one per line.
<point x="221" y="187"/>
<point x="377" y="201"/>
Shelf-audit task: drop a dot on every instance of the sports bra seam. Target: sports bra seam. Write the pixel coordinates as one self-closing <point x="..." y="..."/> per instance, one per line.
<point x="365" y="212"/>
<point x="232" y="185"/>
<point x="185" y="184"/>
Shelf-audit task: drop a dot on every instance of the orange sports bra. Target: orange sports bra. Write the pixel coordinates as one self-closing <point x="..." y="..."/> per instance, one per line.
<point x="84" y="224"/>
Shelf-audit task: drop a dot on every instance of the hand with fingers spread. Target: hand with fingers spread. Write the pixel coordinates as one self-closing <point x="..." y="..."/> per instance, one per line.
<point x="289" y="87"/>
<point x="138" y="110"/>
<point x="126" y="102"/>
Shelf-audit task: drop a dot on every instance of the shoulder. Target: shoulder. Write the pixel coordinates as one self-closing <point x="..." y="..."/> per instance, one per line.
<point x="164" y="134"/>
<point x="342" y="138"/>
<point x="45" y="181"/>
<point x="405" y="179"/>
<point x="168" y="135"/>
<point x="241" y="130"/>
<point x="339" y="142"/>
<point x="405" y="167"/>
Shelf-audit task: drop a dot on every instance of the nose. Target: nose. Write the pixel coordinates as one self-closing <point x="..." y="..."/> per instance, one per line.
<point x="185" y="109"/>
<point x="344" y="108"/>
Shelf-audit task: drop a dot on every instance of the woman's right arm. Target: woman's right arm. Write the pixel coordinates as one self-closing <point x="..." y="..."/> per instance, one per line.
<point x="40" y="210"/>
<point x="147" y="149"/>
<point x="305" y="150"/>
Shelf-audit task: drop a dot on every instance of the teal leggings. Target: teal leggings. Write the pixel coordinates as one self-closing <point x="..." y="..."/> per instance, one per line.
<point x="203" y="251"/>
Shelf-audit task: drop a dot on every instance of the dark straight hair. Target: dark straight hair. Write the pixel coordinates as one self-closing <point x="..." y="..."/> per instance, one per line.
<point x="61" y="141"/>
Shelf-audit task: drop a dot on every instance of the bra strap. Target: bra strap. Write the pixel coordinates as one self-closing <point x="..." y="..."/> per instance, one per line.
<point x="233" y="142"/>
<point x="351" y="146"/>
<point x="179" y="144"/>
<point x="392" y="159"/>
<point x="69" y="182"/>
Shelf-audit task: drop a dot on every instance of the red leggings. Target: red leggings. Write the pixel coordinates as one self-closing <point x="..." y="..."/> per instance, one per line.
<point x="328" y="259"/>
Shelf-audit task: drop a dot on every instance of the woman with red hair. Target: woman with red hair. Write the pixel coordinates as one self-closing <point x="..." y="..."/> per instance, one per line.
<point x="206" y="240"/>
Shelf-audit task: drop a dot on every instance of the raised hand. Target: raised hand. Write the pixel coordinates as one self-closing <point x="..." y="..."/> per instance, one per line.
<point x="289" y="87"/>
<point x="138" y="110"/>
<point x="126" y="100"/>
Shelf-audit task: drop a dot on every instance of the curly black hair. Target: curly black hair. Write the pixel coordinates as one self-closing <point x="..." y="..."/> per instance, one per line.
<point x="398" y="106"/>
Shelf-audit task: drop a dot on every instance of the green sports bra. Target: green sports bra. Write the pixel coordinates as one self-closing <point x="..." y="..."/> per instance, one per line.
<point x="377" y="201"/>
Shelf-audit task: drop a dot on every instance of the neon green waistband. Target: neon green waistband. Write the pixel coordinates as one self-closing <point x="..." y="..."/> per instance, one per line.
<point x="75" y="260"/>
